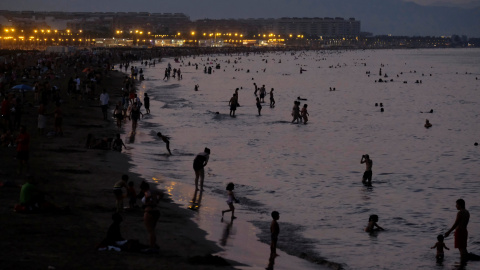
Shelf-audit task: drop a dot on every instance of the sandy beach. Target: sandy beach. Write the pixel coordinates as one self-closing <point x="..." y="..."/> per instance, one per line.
<point x="82" y="180"/>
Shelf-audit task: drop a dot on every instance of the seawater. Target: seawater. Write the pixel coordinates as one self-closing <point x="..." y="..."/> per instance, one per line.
<point x="311" y="173"/>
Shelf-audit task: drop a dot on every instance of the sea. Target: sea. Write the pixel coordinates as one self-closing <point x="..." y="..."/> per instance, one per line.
<point x="311" y="173"/>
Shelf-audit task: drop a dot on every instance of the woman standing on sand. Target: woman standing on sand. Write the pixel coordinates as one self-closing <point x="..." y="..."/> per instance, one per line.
<point x="151" y="215"/>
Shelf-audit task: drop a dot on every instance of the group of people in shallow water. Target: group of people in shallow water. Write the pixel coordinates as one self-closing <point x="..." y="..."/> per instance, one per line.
<point x="459" y="226"/>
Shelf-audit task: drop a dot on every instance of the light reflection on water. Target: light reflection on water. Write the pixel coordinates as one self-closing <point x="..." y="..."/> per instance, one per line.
<point x="312" y="173"/>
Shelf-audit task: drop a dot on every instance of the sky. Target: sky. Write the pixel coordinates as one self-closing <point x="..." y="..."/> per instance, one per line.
<point x="397" y="17"/>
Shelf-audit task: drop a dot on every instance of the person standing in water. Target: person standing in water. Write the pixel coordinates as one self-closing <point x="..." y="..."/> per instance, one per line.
<point x="304" y="113"/>
<point x="146" y="103"/>
<point x="272" y="100"/>
<point x="367" y="175"/>
<point x="199" y="164"/>
<point x="259" y="106"/>
<point x="233" y="105"/>
<point x="460" y="227"/>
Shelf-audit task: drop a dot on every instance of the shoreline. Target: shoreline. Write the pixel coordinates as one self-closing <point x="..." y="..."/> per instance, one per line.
<point x="82" y="179"/>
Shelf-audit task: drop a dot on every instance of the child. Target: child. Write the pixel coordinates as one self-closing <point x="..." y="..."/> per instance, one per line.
<point x="259" y="106"/>
<point x="440" y="245"/>
<point x="132" y="195"/>
<point x="304" y="114"/>
<point x="372" y="223"/>
<point x="166" y="140"/>
<point x="231" y="199"/>
<point x="274" y="231"/>
<point x="117" y="191"/>
<point x="118" y="143"/>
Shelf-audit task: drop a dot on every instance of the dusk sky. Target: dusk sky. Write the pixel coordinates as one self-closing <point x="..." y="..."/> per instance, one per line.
<point x="397" y="17"/>
<point x="209" y="8"/>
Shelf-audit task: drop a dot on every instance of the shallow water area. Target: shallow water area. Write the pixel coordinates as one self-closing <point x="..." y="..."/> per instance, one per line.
<point x="311" y="173"/>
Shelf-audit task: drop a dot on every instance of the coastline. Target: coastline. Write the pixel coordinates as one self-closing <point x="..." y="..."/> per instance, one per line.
<point x="82" y="179"/>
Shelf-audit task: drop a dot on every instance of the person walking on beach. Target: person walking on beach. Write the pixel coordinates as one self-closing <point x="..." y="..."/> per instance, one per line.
<point x="304" y="114"/>
<point x="150" y="216"/>
<point x="272" y="100"/>
<point x="146" y="103"/>
<point x="104" y="99"/>
<point x="230" y="200"/>
<point x="199" y="164"/>
<point x="367" y="175"/>
<point x="166" y="140"/>
<point x="460" y="227"/>
<point x="440" y="245"/>
<point x="117" y="191"/>
<point x="274" y="232"/>
<point x="135" y="116"/>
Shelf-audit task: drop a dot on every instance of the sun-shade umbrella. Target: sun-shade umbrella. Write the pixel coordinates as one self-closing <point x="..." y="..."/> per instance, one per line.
<point x="22" y="87"/>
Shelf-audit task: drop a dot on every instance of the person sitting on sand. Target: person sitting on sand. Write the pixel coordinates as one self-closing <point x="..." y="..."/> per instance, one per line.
<point x="166" y="140"/>
<point x="118" y="143"/>
<point x="33" y="199"/>
<point x="372" y="224"/>
<point x="114" y="237"/>
<point x="427" y="124"/>
<point x="440" y="245"/>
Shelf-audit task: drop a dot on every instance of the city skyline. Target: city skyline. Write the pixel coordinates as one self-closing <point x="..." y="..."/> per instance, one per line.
<point x="380" y="17"/>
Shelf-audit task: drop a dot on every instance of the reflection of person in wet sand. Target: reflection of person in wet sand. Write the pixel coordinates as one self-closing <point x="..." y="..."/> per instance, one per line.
<point x="230" y="200"/>
<point x="460" y="227"/>
<point x="367" y="175"/>
<point x="166" y="140"/>
<point x="274" y="232"/>
<point x="372" y="224"/>
<point x="199" y="163"/>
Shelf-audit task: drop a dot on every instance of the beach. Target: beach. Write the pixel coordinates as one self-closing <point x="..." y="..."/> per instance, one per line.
<point x="310" y="173"/>
<point x="82" y="179"/>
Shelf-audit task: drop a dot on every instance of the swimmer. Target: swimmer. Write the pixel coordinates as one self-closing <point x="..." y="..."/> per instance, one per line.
<point x="427" y="124"/>
<point x="372" y="224"/>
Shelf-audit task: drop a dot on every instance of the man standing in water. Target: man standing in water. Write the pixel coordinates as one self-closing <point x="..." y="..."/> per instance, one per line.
<point x="199" y="163"/>
<point x="460" y="227"/>
<point x="367" y="175"/>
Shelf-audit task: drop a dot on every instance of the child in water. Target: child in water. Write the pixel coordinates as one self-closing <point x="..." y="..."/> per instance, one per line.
<point x="304" y="114"/>
<point x="230" y="200"/>
<point x="440" y="245"/>
<point x="259" y="106"/>
<point x="372" y="223"/>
